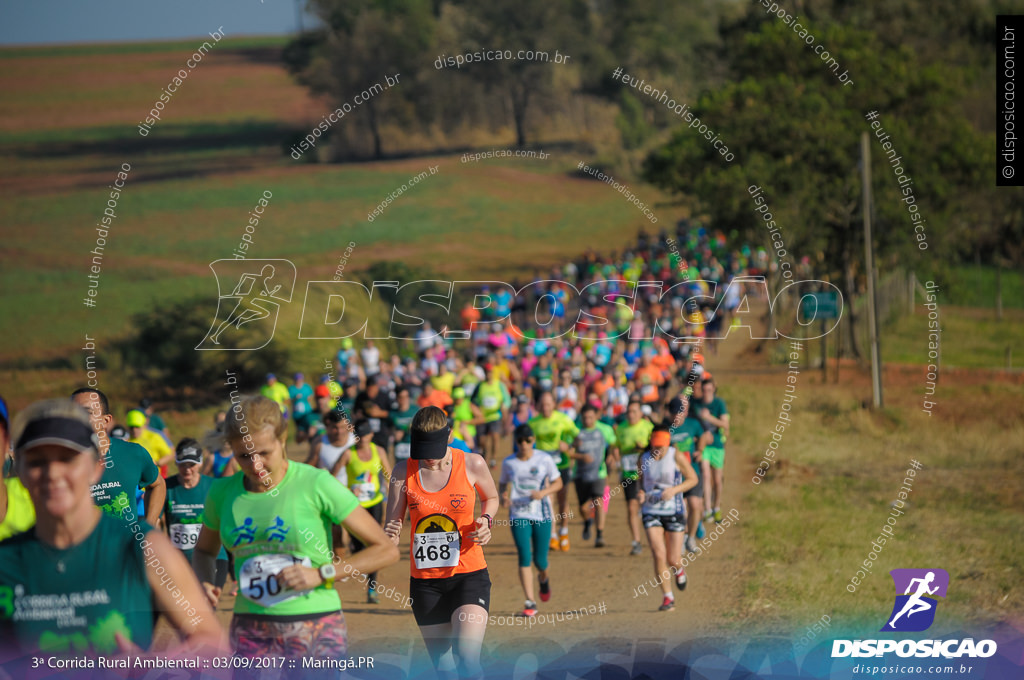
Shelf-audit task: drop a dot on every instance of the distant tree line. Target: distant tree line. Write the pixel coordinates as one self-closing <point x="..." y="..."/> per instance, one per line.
<point x="926" y="66"/>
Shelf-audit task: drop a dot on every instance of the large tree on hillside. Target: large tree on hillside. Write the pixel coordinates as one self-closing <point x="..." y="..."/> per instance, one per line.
<point x="561" y="28"/>
<point x="795" y="130"/>
<point x="358" y="44"/>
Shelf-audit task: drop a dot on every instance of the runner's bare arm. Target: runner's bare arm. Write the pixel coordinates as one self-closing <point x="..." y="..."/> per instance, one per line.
<point x="204" y="561"/>
<point x="480" y="477"/>
<point x="722" y="422"/>
<point x="689" y="476"/>
<point x="153" y="498"/>
<point x="314" y="453"/>
<point x="705" y="439"/>
<point x="397" y="503"/>
<point x="200" y="628"/>
<point x="552" y="488"/>
<point x="341" y="462"/>
<point x="613" y="458"/>
<point x="380" y="550"/>
<point x="385" y="473"/>
<point x="378" y="553"/>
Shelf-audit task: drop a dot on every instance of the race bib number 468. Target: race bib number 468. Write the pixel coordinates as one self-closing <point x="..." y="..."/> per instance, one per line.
<point x="435" y="542"/>
<point x="439" y="549"/>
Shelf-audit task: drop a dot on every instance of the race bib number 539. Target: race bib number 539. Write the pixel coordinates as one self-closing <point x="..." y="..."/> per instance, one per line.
<point x="185" y="536"/>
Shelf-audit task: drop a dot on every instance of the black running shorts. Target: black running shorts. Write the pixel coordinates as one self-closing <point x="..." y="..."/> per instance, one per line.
<point x="587" y="490"/>
<point x="434" y="600"/>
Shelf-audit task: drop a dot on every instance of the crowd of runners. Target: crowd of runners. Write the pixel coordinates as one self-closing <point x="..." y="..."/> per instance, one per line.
<point x="614" y="414"/>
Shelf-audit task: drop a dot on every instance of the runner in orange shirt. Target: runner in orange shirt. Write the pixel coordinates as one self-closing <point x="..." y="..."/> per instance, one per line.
<point x="433" y="397"/>
<point x="648" y="378"/>
<point x="449" y="584"/>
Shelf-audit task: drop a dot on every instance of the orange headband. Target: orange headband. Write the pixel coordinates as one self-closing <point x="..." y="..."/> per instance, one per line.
<point x="660" y="438"/>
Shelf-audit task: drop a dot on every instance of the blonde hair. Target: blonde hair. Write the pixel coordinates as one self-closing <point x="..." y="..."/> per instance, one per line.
<point x="429" y="419"/>
<point x="249" y="415"/>
<point x="52" y="408"/>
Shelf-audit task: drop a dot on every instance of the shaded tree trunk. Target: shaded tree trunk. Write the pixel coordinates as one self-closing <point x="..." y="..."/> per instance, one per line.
<point x="374" y="130"/>
<point x="848" y="288"/>
<point x="520" y="103"/>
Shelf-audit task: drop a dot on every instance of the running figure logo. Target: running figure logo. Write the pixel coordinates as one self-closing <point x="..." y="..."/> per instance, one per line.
<point x="278" y="531"/>
<point x="262" y="285"/>
<point x="246" y="533"/>
<point x="914" y="610"/>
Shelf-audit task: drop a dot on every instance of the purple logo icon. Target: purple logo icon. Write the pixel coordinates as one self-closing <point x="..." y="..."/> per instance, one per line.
<point x="916" y="590"/>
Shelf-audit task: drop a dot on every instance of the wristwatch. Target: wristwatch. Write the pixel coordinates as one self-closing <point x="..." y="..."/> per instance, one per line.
<point x="490" y="520"/>
<point x="327" y="573"/>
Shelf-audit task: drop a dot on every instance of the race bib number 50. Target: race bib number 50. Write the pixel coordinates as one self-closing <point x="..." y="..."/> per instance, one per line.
<point x="258" y="578"/>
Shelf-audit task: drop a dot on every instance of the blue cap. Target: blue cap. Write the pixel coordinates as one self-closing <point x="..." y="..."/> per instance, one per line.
<point x="270" y="375"/>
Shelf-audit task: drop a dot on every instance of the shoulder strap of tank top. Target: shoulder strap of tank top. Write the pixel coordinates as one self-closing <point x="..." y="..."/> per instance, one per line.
<point x="459" y="467"/>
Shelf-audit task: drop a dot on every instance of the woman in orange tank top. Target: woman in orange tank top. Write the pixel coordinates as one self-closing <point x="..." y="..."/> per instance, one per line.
<point x="449" y="584"/>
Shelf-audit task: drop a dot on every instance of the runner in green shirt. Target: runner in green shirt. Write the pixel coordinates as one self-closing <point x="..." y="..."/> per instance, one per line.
<point x="82" y="581"/>
<point x="186" y="496"/>
<point x="275" y="517"/>
<point x="402" y="416"/>
<point x="17" y="513"/>
<point x="554" y="432"/>
<point x="633" y="436"/>
<point x="492" y="398"/>
<point x="126" y="466"/>
<point x="715" y="417"/>
<point x="276" y="392"/>
<point x="464" y="413"/>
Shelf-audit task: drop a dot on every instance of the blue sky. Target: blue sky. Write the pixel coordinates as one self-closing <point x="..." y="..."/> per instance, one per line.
<point x="34" y="22"/>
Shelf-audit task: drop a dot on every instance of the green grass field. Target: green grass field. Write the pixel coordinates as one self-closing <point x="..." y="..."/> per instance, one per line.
<point x="838" y="469"/>
<point x="467" y="221"/>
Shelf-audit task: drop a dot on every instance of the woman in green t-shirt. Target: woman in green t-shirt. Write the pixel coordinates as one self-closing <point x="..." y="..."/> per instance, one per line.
<point x="83" y="581"/>
<point x="275" y="517"/>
